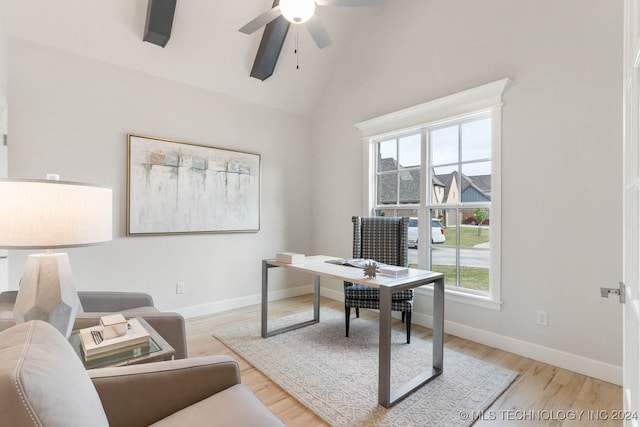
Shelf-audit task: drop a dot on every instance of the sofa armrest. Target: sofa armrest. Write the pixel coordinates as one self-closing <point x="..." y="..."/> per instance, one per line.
<point x="139" y="395"/>
<point x="113" y="301"/>
<point x="169" y="325"/>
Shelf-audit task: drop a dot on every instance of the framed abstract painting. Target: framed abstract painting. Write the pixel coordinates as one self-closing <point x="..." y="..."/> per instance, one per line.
<point x="180" y="188"/>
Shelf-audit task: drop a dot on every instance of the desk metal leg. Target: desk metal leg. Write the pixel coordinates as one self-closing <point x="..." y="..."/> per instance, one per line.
<point x="316" y="298"/>
<point x="384" y="349"/>
<point x="386" y="396"/>
<point x="438" y="326"/>
<point x="265" y="298"/>
<point x="264" y="323"/>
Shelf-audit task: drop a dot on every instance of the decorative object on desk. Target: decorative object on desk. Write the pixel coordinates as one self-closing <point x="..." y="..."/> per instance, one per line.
<point x="135" y="336"/>
<point x="384" y="269"/>
<point x="393" y="270"/>
<point x="49" y="214"/>
<point x="290" y="257"/>
<point x="330" y="374"/>
<point x="178" y="188"/>
<point x="113" y="325"/>
<point x="371" y="269"/>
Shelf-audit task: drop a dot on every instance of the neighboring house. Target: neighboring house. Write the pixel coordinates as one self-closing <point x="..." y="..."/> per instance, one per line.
<point x="406" y="182"/>
<point x="388" y="188"/>
<point x="483" y="182"/>
<point x="450" y="183"/>
<point x="446" y="188"/>
<point x="471" y="190"/>
<point x="438" y="190"/>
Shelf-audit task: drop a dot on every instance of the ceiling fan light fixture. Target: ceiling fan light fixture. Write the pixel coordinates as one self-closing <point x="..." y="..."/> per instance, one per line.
<point x="297" y="11"/>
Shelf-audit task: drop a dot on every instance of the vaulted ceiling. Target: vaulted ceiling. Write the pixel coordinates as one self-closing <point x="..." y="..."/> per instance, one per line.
<point x="206" y="49"/>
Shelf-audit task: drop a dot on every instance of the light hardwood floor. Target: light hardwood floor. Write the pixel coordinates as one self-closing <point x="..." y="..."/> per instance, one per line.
<point x="538" y="387"/>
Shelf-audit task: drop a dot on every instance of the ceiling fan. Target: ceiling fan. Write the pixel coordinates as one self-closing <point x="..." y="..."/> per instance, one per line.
<point x="303" y="12"/>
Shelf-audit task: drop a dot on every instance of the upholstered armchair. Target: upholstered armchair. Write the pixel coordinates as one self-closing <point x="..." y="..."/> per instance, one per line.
<point x="99" y="303"/>
<point x="383" y="239"/>
<point x="43" y="383"/>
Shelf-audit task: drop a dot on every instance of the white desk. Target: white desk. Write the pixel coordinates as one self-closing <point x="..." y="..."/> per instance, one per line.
<point x="318" y="266"/>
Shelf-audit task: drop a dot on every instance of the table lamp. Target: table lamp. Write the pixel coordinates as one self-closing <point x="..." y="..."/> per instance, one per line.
<point x="50" y="214"/>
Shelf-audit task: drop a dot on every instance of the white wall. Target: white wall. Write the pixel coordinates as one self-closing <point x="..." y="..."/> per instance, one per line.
<point x="562" y="157"/>
<point x="3" y="49"/>
<point x="70" y="115"/>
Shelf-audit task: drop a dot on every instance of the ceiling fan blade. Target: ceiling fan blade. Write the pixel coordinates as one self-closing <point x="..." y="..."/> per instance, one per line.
<point x="353" y="3"/>
<point x="262" y="20"/>
<point x="318" y="32"/>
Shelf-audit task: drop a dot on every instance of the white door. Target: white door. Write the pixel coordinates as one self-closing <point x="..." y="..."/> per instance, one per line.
<point x="631" y="273"/>
<point x="4" y="269"/>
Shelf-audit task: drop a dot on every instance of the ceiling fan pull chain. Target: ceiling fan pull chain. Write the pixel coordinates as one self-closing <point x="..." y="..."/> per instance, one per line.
<point x="296" y="50"/>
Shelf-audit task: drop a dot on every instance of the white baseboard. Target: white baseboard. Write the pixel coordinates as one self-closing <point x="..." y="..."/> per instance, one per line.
<point x="230" y="304"/>
<point x="573" y="362"/>
<point x="333" y="294"/>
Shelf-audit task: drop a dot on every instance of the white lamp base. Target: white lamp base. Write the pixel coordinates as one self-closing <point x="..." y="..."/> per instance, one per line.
<point x="47" y="292"/>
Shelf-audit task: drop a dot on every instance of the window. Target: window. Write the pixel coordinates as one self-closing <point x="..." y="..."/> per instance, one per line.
<point x="398" y="176"/>
<point x="459" y="195"/>
<point x="439" y="164"/>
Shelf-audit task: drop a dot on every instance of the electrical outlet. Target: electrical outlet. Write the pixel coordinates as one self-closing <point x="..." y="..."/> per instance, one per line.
<point x="541" y="317"/>
<point x="180" y="288"/>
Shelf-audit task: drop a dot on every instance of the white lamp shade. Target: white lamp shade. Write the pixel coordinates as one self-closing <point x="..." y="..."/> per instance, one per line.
<point x="45" y="214"/>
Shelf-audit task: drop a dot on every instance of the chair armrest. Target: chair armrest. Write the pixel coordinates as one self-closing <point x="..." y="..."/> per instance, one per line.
<point x="103" y="301"/>
<point x="8" y="299"/>
<point x="169" y="325"/>
<point x="113" y="301"/>
<point x="139" y="395"/>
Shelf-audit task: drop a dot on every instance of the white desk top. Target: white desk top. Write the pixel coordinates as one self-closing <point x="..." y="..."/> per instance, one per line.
<point x="316" y="264"/>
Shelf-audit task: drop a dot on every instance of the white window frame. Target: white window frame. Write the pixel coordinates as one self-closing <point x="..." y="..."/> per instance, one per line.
<point x="485" y="98"/>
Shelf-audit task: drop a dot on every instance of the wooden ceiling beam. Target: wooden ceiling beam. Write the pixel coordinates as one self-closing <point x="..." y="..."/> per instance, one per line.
<point x="157" y="28"/>
<point x="271" y="44"/>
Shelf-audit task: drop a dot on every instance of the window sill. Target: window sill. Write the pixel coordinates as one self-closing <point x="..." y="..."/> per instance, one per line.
<point x="451" y="294"/>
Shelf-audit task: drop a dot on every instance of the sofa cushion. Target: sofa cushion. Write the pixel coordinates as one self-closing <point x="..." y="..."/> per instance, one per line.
<point x="43" y="382"/>
<point x="236" y="406"/>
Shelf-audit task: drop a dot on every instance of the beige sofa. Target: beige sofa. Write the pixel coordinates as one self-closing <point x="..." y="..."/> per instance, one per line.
<point x="43" y="383"/>
<point x="131" y="304"/>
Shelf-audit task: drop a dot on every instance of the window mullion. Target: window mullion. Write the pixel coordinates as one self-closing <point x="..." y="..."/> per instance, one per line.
<point x="397" y="174"/>
<point x="425" y="200"/>
<point x="458" y="215"/>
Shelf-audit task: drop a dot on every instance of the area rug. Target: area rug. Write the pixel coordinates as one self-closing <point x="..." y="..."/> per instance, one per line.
<point x="337" y="377"/>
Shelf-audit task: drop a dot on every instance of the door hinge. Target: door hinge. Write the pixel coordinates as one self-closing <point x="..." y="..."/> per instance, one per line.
<point x="604" y="292"/>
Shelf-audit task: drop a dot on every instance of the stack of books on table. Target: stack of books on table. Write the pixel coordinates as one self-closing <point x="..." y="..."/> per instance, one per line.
<point x="95" y="345"/>
<point x="289" y="257"/>
<point x="393" y="270"/>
